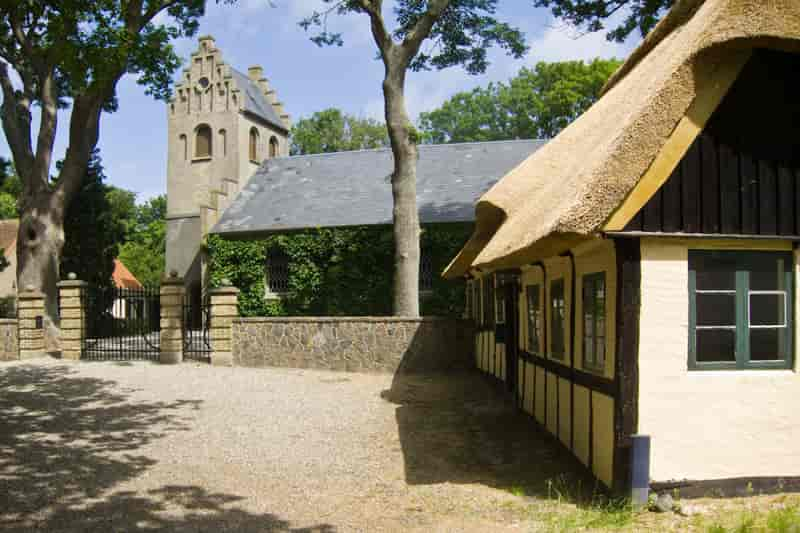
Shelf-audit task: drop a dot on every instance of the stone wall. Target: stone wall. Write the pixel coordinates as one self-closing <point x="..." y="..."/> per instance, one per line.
<point x="9" y="340"/>
<point x="368" y="344"/>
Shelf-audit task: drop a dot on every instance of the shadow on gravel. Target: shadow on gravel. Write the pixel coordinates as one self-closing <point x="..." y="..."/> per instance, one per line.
<point x="459" y="428"/>
<point x="66" y="441"/>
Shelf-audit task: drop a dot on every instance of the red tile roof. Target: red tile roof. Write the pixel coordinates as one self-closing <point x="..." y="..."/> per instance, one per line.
<point x="123" y="278"/>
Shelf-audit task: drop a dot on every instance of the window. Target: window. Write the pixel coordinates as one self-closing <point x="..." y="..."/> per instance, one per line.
<point x="425" y="272"/>
<point x="500" y="307"/>
<point x="273" y="147"/>
<point x="202" y="144"/>
<point x="740" y="312"/>
<point x="253" y="144"/>
<point x="476" y="300"/>
<point x="277" y="271"/>
<point x="594" y="321"/>
<point x="184" y="146"/>
<point x="557" y="312"/>
<point x="223" y="141"/>
<point x="534" y="319"/>
<point x="488" y="300"/>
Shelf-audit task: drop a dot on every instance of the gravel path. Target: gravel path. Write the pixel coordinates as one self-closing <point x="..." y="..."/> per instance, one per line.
<point x="121" y="447"/>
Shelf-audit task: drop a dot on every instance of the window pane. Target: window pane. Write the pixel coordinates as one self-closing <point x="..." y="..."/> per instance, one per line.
<point x="557" y="313"/>
<point x="767" y="272"/>
<point x="715" y="345"/>
<point x="600" y="352"/>
<point x="767" y="309"/>
<point x="714" y="270"/>
<point x="716" y="309"/>
<point x="767" y="344"/>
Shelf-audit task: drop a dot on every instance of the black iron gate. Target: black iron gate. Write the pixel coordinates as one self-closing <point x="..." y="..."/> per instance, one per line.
<point x="121" y="324"/>
<point x="196" y="328"/>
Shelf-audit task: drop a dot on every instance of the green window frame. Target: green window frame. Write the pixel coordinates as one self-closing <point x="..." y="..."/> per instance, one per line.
<point x="558" y="312"/>
<point x="500" y="307"/>
<point x="533" y="298"/>
<point x="594" y="321"/>
<point x="740" y="310"/>
<point x="476" y="301"/>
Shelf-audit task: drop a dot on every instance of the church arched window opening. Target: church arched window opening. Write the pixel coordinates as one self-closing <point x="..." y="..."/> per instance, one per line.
<point x="253" y="144"/>
<point x="184" y="147"/>
<point x="223" y="142"/>
<point x="202" y="145"/>
<point x="273" y="147"/>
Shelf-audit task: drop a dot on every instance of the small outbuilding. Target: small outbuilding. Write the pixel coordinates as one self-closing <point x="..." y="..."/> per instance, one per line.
<point x="638" y="273"/>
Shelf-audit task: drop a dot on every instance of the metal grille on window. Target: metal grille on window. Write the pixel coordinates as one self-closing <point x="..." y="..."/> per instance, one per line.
<point x="425" y="272"/>
<point x="277" y="270"/>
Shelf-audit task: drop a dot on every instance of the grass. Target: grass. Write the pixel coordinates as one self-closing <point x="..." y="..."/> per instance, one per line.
<point x="566" y="508"/>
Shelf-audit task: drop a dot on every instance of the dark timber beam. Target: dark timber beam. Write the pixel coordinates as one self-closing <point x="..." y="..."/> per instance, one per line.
<point x="626" y="361"/>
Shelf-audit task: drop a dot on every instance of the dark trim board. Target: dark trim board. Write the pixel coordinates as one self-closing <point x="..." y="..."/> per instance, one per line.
<point x="592" y="382"/>
<point x="730" y="487"/>
<point x="626" y="360"/>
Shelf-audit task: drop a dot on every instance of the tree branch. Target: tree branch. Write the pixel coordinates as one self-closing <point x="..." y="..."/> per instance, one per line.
<point x="16" y="119"/>
<point x="382" y="37"/>
<point x="48" y="97"/>
<point x="422" y="29"/>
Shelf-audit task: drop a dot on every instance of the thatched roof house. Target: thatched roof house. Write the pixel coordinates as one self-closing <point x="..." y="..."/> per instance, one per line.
<point x="652" y="244"/>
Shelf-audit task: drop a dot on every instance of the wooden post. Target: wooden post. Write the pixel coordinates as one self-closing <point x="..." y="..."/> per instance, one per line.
<point x="171" y="296"/>
<point x="31" y="323"/>
<point x="224" y="309"/>
<point x="626" y="367"/>
<point x="73" y="317"/>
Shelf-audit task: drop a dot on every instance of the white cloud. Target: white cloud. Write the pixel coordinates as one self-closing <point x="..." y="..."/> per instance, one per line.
<point x="563" y="43"/>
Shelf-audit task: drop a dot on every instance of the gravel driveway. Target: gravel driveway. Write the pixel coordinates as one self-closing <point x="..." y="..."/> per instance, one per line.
<point x="140" y="446"/>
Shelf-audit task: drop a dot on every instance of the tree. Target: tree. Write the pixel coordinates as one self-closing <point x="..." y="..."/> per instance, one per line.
<point x="55" y="53"/>
<point x="95" y="226"/>
<point x="536" y="104"/>
<point x="460" y="32"/>
<point x="591" y="14"/>
<point x="146" y="245"/>
<point x="333" y="131"/>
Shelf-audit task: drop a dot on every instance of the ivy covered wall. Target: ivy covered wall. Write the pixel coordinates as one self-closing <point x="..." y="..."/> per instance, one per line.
<point x="336" y="271"/>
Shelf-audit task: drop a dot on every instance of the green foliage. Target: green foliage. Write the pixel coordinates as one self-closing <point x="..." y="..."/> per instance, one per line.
<point x="94" y="227"/>
<point x="331" y="130"/>
<point x="462" y="33"/>
<point x="335" y="271"/>
<point x="536" y="104"/>
<point x="592" y="14"/>
<point x="145" y="248"/>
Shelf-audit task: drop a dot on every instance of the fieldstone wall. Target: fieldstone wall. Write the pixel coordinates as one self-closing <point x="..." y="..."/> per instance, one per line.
<point x="356" y="344"/>
<point x="9" y="340"/>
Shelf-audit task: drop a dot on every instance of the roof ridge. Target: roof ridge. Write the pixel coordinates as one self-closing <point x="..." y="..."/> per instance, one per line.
<point x="426" y="146"/>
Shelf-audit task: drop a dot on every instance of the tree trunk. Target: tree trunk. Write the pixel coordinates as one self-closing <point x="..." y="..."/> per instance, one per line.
<point x="405" y="216"/>
<point x="39" y="244"/>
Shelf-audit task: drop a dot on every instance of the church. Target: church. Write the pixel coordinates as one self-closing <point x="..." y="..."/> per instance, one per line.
<point x="230" y="174"/>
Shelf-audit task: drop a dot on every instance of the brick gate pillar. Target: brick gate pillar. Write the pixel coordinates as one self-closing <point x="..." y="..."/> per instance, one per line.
<point x="30" y="305"/>
<point x="172" y="294"/>
<point x="73" y="316"/>
<point x="224" y="309"/>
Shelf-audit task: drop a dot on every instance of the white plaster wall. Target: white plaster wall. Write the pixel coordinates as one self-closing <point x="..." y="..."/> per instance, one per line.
<point x="706" y="424"/>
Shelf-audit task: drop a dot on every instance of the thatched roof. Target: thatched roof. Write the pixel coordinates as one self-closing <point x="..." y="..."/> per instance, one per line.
<point x="565" y="192"/>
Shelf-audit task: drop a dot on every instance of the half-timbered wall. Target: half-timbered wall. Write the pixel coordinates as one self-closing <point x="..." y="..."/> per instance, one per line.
<point x="575" y="405"/>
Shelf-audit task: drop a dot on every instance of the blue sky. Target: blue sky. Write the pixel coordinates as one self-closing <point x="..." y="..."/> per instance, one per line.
<point x="308" y="78"/>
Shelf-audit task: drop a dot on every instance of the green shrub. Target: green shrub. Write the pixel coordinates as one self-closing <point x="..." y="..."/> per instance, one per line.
<point x="335" y="271"/>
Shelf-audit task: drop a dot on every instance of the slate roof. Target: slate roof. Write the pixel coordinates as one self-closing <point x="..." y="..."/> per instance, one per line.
<point x="352" y="188"/>
<point x="255" y="102"/>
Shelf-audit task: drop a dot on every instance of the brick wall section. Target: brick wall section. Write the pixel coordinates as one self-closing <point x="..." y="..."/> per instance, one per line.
<point x="224" y="310"/>
<point x="171" y="297"/>
<point x="73" y="318"/>
<point x="368" y="344"/>
<point x="31" y="335"/>
<point x="9" y="339"/>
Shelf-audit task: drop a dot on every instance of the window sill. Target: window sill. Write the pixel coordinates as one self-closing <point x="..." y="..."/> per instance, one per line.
<point x="201" y="159"/>
<point x="272" y="296"/>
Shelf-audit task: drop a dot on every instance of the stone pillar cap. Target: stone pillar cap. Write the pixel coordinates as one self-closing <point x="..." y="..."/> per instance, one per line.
<point x="71" y="283"/>
<point x="224" y="290"/>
